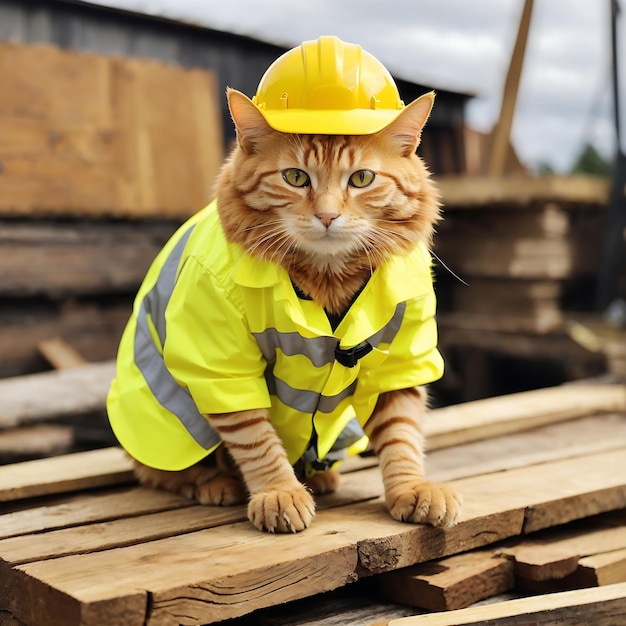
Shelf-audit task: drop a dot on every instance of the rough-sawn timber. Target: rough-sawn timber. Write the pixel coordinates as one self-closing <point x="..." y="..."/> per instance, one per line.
<point x="146" y="565"/>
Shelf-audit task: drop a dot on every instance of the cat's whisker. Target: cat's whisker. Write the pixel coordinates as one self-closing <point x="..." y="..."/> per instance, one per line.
<point x="363" y="247"/>
<point x="263" y="225"/>
<point x="279" y="240"/>
<point x="390" y="221"/>
<point x="287" y="245"/>
<point x="391" y="238"/>
<point x="267" y="241"/>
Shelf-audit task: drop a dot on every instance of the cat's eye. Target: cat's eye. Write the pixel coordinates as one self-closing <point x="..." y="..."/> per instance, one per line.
<point x="361" y="178"/>
<point x="296" y="177"/>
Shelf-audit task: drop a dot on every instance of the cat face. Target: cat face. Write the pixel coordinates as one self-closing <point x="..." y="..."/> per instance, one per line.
<point x="326" y="199"/>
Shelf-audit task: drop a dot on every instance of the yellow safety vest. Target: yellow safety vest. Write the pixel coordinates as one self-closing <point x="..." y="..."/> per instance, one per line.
<point x="214" y="330"/>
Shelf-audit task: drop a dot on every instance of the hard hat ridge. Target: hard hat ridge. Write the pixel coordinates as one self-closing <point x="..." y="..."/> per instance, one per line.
<point x="330" y="87"/>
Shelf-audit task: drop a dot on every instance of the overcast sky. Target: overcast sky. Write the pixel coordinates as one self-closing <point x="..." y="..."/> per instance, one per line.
<point x="564" y="98"/>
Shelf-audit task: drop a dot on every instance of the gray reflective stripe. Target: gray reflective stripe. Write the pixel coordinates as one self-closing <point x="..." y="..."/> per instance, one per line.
<point x="349" y="435"/>
<point x="320" y="350"/>
<point x="304" y="400"/>
<point x="162" y="384"/>
<point x="328" y="404"/>
<point x="388" y="332"/>
<point x="299" y="399"/>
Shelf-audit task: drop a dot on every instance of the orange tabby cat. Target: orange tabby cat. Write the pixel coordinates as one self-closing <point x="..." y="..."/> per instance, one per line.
<point x="300" y="299"/>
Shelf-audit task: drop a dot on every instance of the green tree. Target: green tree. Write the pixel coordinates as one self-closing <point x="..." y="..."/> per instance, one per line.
<point x="591" y="162"/>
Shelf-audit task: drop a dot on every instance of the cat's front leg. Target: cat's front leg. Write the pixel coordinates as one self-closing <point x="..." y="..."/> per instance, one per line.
<point x="278" y="501"/>
<point x="395" y="432"/>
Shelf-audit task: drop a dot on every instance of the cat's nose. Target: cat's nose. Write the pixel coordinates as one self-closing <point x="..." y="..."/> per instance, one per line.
<point x="326" y="218"/>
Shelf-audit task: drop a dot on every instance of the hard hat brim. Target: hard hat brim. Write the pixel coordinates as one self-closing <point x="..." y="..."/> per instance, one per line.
<point x="330" y="122"/>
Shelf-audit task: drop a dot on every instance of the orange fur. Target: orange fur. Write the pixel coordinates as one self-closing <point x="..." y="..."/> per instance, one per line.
<point x="395" y="432"/>
<point x="273" y="220"/>
<point x="329" y="236"/>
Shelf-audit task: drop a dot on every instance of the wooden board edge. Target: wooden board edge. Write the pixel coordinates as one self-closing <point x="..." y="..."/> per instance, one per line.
<point x="55" y="608"/>
<point x="72" y="472"/>
<point x="601" y="606"/>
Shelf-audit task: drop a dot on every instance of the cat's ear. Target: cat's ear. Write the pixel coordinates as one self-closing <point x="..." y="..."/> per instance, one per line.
<point x="405" y="132"/>
<point x="249" y="122"/>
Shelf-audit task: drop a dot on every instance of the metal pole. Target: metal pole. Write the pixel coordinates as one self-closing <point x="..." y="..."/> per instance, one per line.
<point x="615" y="236"/>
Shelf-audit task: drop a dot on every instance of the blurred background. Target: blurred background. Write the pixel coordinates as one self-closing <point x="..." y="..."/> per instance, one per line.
<point x="564" y="102"/>
<point x="113" y="125"/>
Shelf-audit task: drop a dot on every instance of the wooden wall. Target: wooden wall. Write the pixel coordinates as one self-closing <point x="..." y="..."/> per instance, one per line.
<point x="94" y="135"/>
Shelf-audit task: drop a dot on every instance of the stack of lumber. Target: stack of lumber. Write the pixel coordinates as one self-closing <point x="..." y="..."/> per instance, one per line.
<point x="102" y="157"/>
<point x="529" y="251"/>
<point x="52" y="413"/>
<point x="83" y="544"/>
<point x="517" y="242"/>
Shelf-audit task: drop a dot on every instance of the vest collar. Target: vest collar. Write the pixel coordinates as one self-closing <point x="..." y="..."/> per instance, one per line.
<point x="252" y="272"/>
<point x="399" y="279"/>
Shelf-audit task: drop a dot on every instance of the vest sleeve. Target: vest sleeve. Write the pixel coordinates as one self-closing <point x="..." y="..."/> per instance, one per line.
<point x="413" y="358"/>
<point x="208" y="347"/>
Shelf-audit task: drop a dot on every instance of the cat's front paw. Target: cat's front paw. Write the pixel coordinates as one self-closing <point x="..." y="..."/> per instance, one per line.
<point x="422" y="502"/>
<point x="285" y="511"/>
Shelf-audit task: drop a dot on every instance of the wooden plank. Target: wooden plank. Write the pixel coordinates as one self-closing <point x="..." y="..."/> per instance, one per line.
<point x="38" y="397"/>
<point x="93" y="329"/>
<point x="60" y="354"/>
<point x="536" y="344"/>
<point x="605" y="568"/>
<point x="496" y="166"/>
<point x="602" y="606"/>
<point x="483" y="419"/>
<point x="602" y="569"/>
<point x="121" y="145"/>
<point x="144" y="515"/>
<point x="38" y="440"/>
<point x="77" y="258"/>
<point x="52" y="607"/>
<point x="520" y="258"/>
<point x="575" y="487"/>
<point x="161" y="129"/>
<point x="275" y="579"/>
<point x="355" y="604"/>
<point x="117" y="533"/>
<point x="522" y="193"/>
<point x="588" y="435"/>
<point x="549" y="221"/>
<point x="82" y="470"/>
<point x="504" y="296"/>
<point x="557" y="554"/>
<point x="249" y="570"/>
<point x="86" y="508"/>
<point x="451" y="583"/>
<point x="548" y="562"/>
<point x="538" y="322"/>
<point x="38" y="78"/>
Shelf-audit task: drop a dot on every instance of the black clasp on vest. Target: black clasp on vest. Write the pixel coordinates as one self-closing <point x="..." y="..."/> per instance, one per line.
<point x="350" y="357"/>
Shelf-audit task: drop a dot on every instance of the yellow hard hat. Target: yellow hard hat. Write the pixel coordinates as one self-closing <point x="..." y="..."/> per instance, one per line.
<point x="328" y="87"/>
